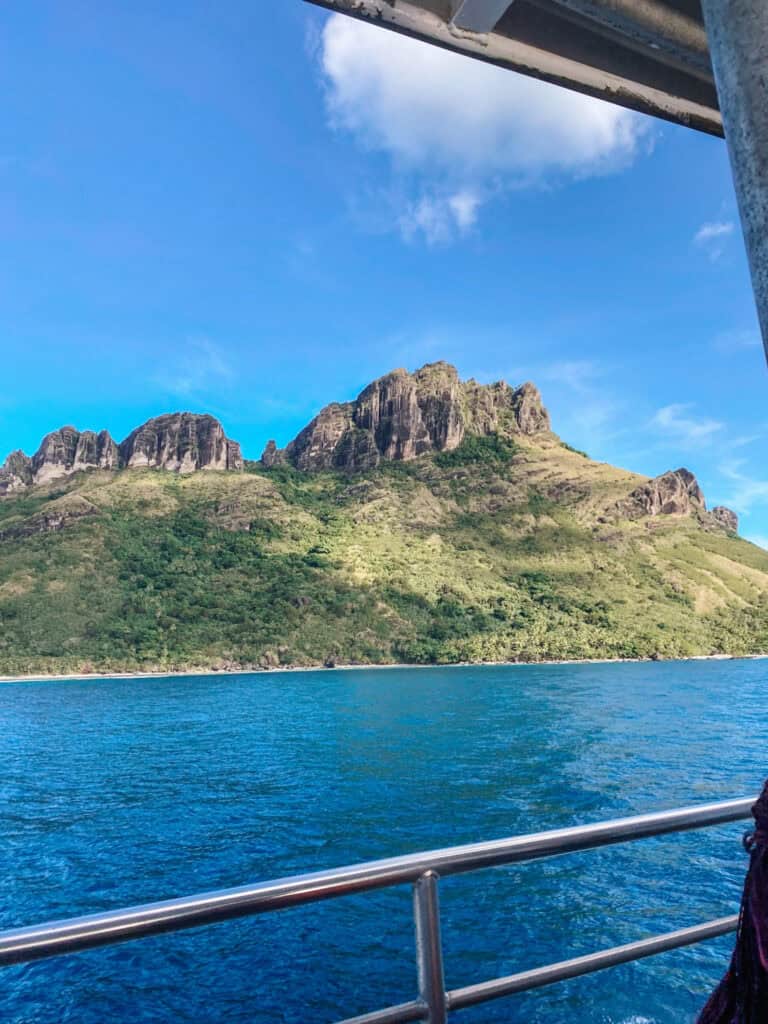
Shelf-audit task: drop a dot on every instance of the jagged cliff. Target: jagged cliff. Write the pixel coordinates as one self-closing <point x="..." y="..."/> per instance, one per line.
<point x="182" y="442"/>
<point x="404" y="415"/>
<point x="675" y="493"/>
<point x="398" y="418"/>
<point x="61" y="452"/>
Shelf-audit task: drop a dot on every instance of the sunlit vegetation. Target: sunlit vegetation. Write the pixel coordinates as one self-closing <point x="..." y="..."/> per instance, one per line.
<point x="494" y="551"/>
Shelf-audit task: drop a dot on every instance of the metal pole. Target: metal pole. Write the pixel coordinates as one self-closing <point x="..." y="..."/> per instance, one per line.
<point x="738" y="44"/>
<point x="429" y="950"/>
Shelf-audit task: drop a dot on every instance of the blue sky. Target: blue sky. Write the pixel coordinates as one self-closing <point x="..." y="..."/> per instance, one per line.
<point x="205" y="209"/>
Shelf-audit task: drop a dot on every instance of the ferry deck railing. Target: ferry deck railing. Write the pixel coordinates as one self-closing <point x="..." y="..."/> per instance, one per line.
<point x="423" y="871"/>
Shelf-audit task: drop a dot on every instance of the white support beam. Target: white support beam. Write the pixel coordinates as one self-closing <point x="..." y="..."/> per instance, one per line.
<point x="478" y="15"/>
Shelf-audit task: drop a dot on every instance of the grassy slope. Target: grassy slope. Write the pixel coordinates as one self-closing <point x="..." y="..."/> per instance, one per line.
<point x="483" y="554"/>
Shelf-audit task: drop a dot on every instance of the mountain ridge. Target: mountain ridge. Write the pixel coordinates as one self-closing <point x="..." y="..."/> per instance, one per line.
<point x="397" y="417"/>
<point x="180" y="442"/>
<point x="486" y="538"/>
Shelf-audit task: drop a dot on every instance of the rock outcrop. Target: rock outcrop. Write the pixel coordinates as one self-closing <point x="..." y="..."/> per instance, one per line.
<point x="726" y="518"/>
<point x="530" y="415"/>
<point x="16" y="473"/>
<point x="401" y="416"/>
<point x="182" y="442"/>
<point x="67" y="450"/>
<point x="271" y="456"/>
<point x="56" y="516"/>
<point x="676" y="493"/>
<point x="314" y="447"/>
<point x="61" y="452"/>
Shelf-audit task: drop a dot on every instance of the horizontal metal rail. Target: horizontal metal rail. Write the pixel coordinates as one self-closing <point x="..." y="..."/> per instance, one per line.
<point x="423" y="870"/>
<point x="471" y="995"/>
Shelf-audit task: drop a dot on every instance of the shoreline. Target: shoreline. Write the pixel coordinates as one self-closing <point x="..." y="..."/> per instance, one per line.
<point x="187" y="673"/>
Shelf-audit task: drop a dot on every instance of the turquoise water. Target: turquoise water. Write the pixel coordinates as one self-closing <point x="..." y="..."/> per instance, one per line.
<point x="117" y="792"/>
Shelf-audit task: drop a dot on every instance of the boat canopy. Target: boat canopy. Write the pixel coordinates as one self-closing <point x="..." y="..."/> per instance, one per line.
<point x="648" y="56"/>
<point x="698" y="63"/>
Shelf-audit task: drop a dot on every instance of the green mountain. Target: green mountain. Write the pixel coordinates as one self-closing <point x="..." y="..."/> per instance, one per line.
<point x="430" y="520"/>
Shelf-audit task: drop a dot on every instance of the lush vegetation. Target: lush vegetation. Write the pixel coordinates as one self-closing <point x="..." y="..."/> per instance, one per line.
<point x="493" y="551"/>
<point x="489" y="450"/>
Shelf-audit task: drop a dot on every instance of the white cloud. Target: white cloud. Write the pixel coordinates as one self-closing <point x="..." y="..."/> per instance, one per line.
<point x="711" y="235"/>
<point x="439" y="218"/>
<point x="427" y="106"/>
<point x="685" y="429"/>
<point x="468" y="127"/>
<point x="464" y="206"/>
<point x="714" y="229"/>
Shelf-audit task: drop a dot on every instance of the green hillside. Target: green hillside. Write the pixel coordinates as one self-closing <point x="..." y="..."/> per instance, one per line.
<point x="500" y="549"/>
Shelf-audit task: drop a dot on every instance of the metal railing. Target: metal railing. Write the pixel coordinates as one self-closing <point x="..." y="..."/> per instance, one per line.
<point x="423" y="870"/>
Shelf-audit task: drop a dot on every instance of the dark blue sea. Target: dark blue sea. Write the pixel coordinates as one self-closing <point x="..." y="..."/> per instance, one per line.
<point x="116" y="792"/>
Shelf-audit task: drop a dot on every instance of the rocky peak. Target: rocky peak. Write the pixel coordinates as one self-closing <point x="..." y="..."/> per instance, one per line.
<point x="61" y="452"/>
<point x="67" y="450"/>
<point x="404" y="415"/>
<point x="15" y="473"/>
<point x="675" y="493"/>
<point x="96" y="450"/>
<point x="181" y="442"/>
<point x="271" y="456"/>
<point x="389" y="409"/>
<point x="726" y="518"/>
<point x="56" y="454"/>
<point x="529" y="411"/>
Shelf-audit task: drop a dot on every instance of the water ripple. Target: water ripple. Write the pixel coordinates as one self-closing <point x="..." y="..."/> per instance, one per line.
<point x="116" y="792"/>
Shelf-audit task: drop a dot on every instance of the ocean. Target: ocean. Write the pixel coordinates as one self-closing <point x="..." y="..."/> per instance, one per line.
<point x="116" y="792"/>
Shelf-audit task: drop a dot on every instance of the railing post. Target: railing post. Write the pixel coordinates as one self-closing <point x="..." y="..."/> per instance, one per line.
<point x="429" y="949"/>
